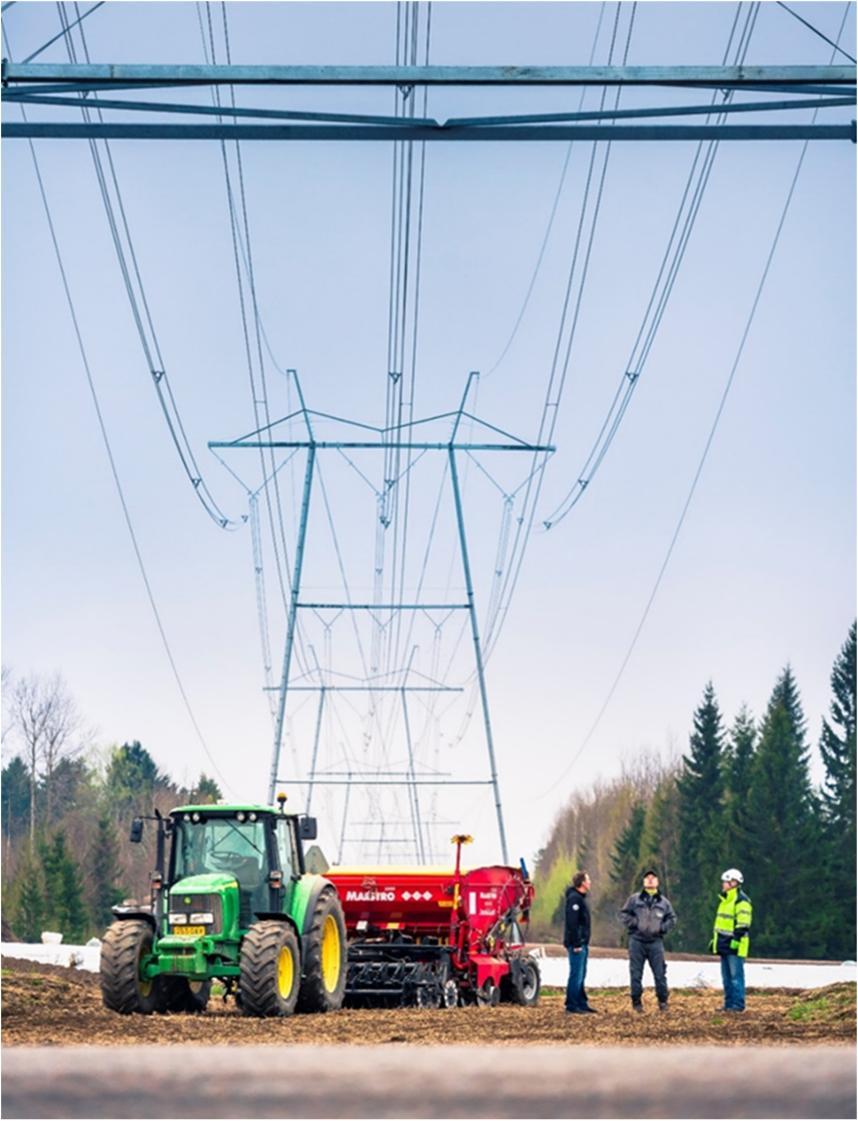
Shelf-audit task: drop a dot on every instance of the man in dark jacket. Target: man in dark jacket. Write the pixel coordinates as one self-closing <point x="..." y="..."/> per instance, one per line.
<point x="648" y="916"/>
<point x="576" y="939"/>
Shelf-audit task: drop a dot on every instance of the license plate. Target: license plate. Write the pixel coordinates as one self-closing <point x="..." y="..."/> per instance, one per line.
<point x="189" y="931"/>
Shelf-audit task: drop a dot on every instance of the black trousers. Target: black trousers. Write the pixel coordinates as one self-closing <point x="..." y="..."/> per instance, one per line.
<point x="653" y="952"/>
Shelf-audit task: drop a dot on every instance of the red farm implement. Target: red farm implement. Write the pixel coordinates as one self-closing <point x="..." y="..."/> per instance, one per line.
<point x="437" y="937"/>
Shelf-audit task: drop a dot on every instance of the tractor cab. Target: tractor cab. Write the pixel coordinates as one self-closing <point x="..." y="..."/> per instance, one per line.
<point x="250" y="848"/>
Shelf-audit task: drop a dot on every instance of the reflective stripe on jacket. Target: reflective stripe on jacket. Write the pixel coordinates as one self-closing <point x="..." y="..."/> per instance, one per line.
<point x="732" y="923"/>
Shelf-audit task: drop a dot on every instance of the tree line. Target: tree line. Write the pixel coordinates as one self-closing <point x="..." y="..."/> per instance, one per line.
<point x="65" y="813"/>
<point x="740" y="796"/>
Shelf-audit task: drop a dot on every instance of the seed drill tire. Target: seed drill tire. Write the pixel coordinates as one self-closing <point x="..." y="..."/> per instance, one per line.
<point x="182" y="995"/>
<point x="525" y="989"/>
<point x="259" y="961"/>
<point x="122" y="989"/>
<point x="314" y="996"/>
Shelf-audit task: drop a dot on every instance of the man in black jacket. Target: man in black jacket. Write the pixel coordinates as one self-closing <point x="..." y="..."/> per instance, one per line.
<point x="648" y="916"/>
<point x="576" y="939"/>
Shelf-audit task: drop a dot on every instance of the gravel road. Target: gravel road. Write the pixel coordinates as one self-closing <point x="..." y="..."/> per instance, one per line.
<point x="397" y="1081"/>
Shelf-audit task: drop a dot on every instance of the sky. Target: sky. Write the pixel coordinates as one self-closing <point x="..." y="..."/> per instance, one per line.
<point x="763" y="572"/>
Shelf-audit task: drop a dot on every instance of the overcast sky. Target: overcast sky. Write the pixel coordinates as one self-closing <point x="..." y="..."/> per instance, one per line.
<point x="763" y="572"/>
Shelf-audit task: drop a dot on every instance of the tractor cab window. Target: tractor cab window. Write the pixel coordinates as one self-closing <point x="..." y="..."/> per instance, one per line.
<point x="284" y="831"/>
<point x="222" y="844"/>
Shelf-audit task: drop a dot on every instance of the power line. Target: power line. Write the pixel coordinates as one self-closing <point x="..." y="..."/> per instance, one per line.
<point x="558" y="372"/>
<point x="658" y="300"/>
<point x="109" y="450"/>
<point x="552" y="215"/>
<point x="699" y="470"/>
<point x="815" y="30"/>
<point x="151" y="350"/>
<point x="64" y="31"/>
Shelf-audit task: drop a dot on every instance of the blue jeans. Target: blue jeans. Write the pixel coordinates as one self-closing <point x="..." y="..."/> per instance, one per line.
<point x="576" y="998"/>
<point x="733" y="978"/>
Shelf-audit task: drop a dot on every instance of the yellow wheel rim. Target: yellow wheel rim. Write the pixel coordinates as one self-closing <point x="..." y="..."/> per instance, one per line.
<point x="285" y="972"/>
<point x="144" y="987"/>
<point x="330" y="954"/>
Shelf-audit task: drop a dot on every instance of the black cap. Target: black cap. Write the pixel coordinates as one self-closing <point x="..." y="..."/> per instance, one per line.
<point x="651" y="872"/>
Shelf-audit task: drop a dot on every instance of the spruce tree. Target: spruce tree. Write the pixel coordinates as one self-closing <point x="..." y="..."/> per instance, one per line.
<point x="28" y="899"/>
<point x="737" y="774"/>
<point x="837" y="747"/>
<point x="207" y="791"/>
<point x="700" y="787"/>
<point x="64" y="909"/>
<point x="104" y="872"/>
<point x="659" y="847"/>
<point x="624" y="857"/>
<point x="15" y="790"/>
<point x="784" y="857"/>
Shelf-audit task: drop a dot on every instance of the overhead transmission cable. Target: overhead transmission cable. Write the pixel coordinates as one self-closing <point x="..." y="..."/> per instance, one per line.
<point x="566" y="332"/>
<point x="703" y="457"/>
<point x="133" y="282"/>
<point x="581" y="250"/>
<point x="816" y="31"/>
<point x="648" y="332"/>
<point x="102" y="426"/>
<point x="680" y="236"/>
<point x="552" y="215"/>
<point x="242" y="256"/>
<point x="63" y="32"/>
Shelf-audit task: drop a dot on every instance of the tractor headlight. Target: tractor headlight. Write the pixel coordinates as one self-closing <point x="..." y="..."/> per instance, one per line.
<point x="177" y="918"/>
<point x="202" y="917"/>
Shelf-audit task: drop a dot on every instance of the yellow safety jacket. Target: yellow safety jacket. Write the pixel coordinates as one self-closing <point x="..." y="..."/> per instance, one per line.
<point x="732" y="923"/>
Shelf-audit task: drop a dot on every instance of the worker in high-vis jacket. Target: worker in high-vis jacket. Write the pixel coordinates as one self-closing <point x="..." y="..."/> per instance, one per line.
<point x="731" y="938"/>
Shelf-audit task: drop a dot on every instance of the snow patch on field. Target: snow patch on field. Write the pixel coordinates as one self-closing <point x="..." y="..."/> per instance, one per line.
<point x="613" y="973"/>
<point x="602" y="973"/>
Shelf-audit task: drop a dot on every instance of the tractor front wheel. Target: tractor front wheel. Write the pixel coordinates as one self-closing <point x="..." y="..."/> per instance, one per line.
<point x="270" y="969"/>
<point x="126" y="944"/>
<point x="324" y="984"/>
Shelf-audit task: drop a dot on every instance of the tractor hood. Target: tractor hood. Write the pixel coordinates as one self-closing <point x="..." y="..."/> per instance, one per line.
<point x="207" y="883"/>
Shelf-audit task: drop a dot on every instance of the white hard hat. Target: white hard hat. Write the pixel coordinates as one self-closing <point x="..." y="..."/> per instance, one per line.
<point x="733" y="874"/>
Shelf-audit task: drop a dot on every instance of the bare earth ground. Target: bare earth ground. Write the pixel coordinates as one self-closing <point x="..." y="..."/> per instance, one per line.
<point x="51" y="1005"/>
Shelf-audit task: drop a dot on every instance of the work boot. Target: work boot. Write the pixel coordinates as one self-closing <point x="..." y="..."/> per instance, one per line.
<point x="637" y="1006"/>
<point x="662" y="1006"/>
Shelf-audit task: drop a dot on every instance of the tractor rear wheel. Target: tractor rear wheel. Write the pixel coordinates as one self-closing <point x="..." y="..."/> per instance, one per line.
<point x="270" y="969"/>
<point x="126" y="943"/>
<point x="182" y="995"/>
<point x="324" y="985"/>
<point x="524" y="989"/>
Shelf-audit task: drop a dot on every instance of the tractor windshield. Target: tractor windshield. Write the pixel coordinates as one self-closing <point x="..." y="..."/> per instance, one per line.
<point x="221" y="844"/>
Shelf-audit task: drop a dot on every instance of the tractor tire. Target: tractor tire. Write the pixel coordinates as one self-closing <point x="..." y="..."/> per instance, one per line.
<point x="325" y="954"/>
<point x="122" y="988"/>
<point x="182" y="995"/>
<point x="524" y="989"/>
<point x="270" y="969"/>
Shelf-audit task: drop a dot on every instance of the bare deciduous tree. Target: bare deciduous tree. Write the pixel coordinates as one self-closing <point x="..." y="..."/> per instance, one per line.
<point x="46" y="722"/>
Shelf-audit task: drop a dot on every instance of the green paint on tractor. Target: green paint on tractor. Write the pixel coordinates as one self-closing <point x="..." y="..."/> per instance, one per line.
<point x="231" y="901"/>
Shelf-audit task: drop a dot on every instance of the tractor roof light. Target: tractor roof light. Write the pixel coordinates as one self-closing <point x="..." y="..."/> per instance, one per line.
<point x="241" y="815"/>
<point x="251" y="817"/>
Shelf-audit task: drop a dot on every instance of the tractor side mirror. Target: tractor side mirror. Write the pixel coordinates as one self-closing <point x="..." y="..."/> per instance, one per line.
<point x="136" y="834"/>
<point x="308" y="829"/>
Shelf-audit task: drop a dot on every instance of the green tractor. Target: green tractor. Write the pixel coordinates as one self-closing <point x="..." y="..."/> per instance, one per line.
<point x="231" y="901"/>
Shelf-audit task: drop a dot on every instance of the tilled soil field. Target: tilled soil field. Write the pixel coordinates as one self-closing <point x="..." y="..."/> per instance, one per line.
<point x="57" y="1006"/>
